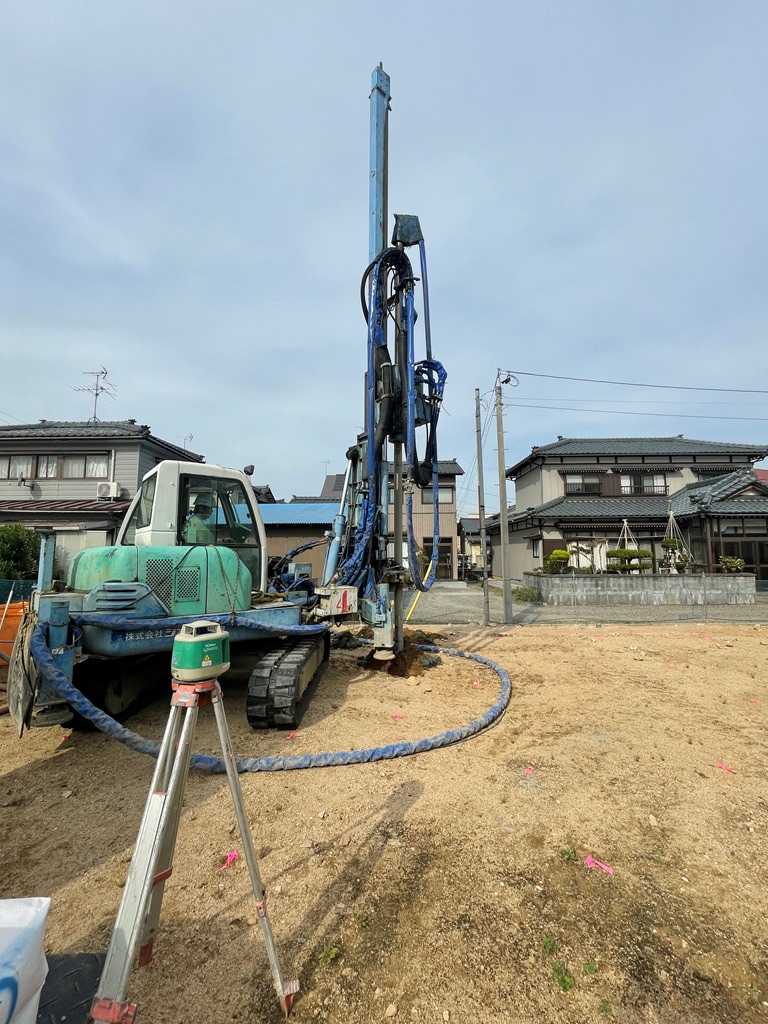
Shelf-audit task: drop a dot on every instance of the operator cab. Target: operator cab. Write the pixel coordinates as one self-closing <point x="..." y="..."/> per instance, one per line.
<point x="185" y="504"/>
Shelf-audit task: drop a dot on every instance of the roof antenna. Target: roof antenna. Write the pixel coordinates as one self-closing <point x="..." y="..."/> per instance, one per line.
<point x="101" y="386"/>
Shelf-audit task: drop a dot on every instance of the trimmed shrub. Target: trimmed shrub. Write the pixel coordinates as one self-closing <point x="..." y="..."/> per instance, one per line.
<point x="557" y="562"/>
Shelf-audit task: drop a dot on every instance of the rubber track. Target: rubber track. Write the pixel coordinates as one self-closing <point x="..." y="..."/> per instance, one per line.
<point x="273" y="694"/>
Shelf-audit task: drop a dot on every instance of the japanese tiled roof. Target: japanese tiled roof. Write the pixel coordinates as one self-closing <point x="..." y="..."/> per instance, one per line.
<point x="677" y="445"/>
<point x="567" y="507"/>
<point x="102" y="430"/>
<point x="719" y="496"/>
<point x="682" y="447"/>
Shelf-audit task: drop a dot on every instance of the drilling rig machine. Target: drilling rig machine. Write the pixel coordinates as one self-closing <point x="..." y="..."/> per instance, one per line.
<point x="193" y="543"/>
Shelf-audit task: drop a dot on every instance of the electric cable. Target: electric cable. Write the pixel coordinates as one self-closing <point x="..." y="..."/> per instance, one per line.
<point x="630" y="384"/>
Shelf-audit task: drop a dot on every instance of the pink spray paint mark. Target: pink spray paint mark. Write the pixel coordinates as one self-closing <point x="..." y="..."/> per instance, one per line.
<point x="529" y="770"/>
<point x="707" y="637"/>
<point x="397" y="717"/>
<point x="231" y="858"/>
<point x="724" y="767"/>
<point x="753" y="702"/>
<point x="590" y="862"/>
<point x="292" y="735"/>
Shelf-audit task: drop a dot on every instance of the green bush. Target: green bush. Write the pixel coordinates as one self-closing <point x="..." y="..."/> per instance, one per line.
<point x="671" y="544"/>
<point x="526" y="594"/>
<point x="18" y="552"/>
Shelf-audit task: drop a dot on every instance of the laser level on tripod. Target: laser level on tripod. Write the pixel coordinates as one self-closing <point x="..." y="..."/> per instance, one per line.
<point x="200" y="656"/>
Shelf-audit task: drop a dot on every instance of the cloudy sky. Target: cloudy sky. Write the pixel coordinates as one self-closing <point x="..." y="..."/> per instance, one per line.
<point x="184" y="192"/>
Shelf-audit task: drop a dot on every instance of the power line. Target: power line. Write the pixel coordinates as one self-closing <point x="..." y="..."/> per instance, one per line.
<point x="634" y="412"/>
<point x="10" y="417"/>
<point x="629" y="384"/>
<point x="631" y="401"/>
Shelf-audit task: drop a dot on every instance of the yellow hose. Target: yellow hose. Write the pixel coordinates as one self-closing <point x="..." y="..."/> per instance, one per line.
<point x="419" y="592"/>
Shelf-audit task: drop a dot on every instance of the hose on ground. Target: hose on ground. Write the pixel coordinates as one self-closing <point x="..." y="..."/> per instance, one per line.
<point x="69" y="693"/>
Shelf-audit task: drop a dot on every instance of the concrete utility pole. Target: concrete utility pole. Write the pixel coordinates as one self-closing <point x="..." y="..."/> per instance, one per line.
<point x="506" y="583"/>
<point x="481" y="511"/>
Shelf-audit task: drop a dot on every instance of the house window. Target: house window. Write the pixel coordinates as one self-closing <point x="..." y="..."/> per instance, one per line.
<point x="444" y="496"/>
<point x="81" y="467"/>
<point x="14" y="466"/>
<point x="643" y="483"/>
<point x="582" y="483"/>
<point x="46" y="467"/>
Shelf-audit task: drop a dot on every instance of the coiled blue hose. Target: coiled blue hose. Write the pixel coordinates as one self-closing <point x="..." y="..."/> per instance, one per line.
<point x="44" y="660"/>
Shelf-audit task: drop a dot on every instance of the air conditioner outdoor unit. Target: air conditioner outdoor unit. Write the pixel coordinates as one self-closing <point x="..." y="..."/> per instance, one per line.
<point x="108" y="489"/>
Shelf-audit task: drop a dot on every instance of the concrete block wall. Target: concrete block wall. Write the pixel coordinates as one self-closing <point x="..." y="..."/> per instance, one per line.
<point x="611" y="588"/>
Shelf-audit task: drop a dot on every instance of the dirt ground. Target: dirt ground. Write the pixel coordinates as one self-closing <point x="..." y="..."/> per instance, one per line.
<point x="451" y="885"/>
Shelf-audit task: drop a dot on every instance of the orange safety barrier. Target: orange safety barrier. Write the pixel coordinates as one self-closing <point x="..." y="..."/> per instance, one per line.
<point x="10" y="626"/>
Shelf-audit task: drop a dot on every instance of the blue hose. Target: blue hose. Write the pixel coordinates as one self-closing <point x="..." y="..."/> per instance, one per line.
<point x="44" y="660"/>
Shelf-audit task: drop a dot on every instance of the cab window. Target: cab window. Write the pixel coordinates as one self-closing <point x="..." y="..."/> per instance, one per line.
<point x="217" y="511"/>
<point x="142" y="514"/>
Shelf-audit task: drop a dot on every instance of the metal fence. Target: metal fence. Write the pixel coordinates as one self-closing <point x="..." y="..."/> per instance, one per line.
<point x="22" y="590"/>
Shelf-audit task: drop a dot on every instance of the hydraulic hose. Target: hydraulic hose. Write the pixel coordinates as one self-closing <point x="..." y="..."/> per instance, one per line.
<point x="69" y="693"/>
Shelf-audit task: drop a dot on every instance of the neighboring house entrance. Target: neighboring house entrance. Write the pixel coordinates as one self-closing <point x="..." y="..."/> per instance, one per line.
<point x="444" y="548"/>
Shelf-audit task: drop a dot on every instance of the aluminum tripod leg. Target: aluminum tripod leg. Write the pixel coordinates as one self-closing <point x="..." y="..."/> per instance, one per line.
<point x="150" y="866"/>
<point x="285" y="990"/>
<point x="151" y="863"/>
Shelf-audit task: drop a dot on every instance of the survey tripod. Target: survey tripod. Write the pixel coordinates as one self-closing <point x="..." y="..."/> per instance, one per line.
<point x="152" y="861"/>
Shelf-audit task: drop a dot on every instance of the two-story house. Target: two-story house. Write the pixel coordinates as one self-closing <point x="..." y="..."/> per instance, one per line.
<point x="76" y="478"/>
<point x="423" y="515"/>
<point x="576" y="494"/>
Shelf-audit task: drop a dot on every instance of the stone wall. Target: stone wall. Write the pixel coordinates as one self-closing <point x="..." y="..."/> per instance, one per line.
<point x="611" y="588"/>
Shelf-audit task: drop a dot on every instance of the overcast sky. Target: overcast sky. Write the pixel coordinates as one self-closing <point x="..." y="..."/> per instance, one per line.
<point x="184" y="194"/>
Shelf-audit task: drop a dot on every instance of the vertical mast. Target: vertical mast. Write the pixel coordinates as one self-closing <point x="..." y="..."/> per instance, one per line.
<point x="377" y="186"/>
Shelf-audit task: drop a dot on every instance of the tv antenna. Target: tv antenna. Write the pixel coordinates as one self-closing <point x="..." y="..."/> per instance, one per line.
<point x="187" y="437"/>
<point x="100" y="386"/>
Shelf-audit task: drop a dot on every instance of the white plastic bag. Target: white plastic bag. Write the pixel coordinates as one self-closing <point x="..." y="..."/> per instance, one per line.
<point x="23" y="966"/>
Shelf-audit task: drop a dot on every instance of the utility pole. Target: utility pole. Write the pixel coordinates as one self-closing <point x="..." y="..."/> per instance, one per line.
<point x="506" y="584"/>
<point x="481" y="510"/>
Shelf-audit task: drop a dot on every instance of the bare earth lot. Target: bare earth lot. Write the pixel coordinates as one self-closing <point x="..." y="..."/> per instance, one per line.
<point x="450" y="885"/>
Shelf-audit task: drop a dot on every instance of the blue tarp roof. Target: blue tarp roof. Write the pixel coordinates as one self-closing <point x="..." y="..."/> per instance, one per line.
<point x="299" y="513"/>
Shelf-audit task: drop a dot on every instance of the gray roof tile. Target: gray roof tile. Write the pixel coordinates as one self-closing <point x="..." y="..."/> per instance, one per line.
<point x="639" y="446"/>
<point x="101" y="430"/>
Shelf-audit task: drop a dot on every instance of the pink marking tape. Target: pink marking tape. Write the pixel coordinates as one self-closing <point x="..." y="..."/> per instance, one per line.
<point x="292" y="735"/>
<point x="724" y="767"/>
<point x="590" y="862"/>
<point x="231" y="858"/>
<point x="397" y="717"/>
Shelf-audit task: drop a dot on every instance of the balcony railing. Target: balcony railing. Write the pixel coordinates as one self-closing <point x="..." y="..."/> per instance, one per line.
<point x="611" y="488"/>
<point x="644" y="489"/>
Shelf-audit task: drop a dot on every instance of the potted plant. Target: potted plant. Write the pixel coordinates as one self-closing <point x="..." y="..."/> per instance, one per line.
<point x="729" y="564"/>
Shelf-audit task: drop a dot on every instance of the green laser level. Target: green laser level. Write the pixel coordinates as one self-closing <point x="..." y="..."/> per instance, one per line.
<point x="200" y="651"/>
